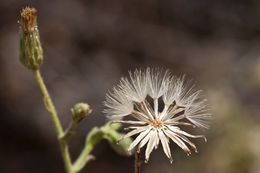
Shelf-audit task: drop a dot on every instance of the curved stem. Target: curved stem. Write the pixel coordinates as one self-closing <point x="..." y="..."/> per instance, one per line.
<point x="51" y="109"/>
<point x="69" y="131"/>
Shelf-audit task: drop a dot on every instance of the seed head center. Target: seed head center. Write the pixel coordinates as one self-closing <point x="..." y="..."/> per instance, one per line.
<point x="157" y="124"/>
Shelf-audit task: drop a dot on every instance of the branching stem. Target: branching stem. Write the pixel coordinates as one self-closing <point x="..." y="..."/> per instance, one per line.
<point x="50" y="108"/>
<point x="69" y="131"/>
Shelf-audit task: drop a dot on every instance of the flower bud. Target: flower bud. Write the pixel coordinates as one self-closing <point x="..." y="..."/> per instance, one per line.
<point x="113" y="136"/>
<point x="31" y="53"/>
<point x="80" y="111"/>
<point x="119" y="147"/>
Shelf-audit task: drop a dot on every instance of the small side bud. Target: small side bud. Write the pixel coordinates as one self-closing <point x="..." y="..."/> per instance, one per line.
<point x="80" y="111"/>
<point x="116" y="139"/>
<point x="31" y="53"/>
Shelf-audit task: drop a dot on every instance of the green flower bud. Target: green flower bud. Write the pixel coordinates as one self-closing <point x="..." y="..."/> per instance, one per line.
<point x="112" y="135"/>
<point x="80" y="111"/>
<point x="31" y="53"/>
<point x="120" y="147"/>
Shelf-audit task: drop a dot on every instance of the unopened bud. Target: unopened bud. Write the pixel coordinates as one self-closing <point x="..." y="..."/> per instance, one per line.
<point x="80" y="111"/>
<point x="31" y="53"/>
<point x="113" y="136"/>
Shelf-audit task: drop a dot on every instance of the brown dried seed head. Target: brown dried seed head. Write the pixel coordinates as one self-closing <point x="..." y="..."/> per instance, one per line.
<point x="28" y="19"/>
<point x="157" y="124"/>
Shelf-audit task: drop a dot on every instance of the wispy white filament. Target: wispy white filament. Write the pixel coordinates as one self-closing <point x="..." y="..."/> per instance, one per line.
<point x="135" y="88"/>
<point x="158" y="81"/>
<point x="180" y="102"/>
<point x="118" y="104"/>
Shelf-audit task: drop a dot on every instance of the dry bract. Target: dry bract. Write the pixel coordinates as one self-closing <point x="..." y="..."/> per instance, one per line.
<point x="29" y="19"/>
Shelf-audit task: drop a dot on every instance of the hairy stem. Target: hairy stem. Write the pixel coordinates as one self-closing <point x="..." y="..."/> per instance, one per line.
<point x="51" y="109"/>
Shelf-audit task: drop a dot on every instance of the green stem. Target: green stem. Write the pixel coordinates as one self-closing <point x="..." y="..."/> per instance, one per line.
<point x="83" y="158"/>
<point x="94" y="137"/>
<point x="50" y="108"/>
<point x="69" y="131"/>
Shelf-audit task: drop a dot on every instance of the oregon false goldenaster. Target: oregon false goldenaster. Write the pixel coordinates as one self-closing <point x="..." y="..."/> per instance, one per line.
<point x="157" y="120"/>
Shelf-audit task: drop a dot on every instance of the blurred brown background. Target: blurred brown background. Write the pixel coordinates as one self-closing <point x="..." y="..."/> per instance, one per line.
<point x="88" y="45"/>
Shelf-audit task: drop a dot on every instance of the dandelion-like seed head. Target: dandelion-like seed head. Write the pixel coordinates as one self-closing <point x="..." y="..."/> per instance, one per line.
<point x="181" y="105"/>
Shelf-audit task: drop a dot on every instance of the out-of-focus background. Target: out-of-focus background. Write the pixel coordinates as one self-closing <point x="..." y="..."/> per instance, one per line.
<point x="88" y="45"/>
